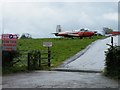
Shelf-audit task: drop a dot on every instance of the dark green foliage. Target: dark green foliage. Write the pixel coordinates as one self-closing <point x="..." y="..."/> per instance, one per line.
<point x="9" y="61"/>
<point x="26" y="36"/>
<point x="113" y="62"/>
<point x="107" y="30"/>
<point x="8" y="58"/>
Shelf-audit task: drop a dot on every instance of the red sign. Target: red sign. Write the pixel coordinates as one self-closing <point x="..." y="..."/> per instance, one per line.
<point x="9" y="42"/>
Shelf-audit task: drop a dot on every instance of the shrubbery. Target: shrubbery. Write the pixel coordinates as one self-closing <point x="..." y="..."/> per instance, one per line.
<point x="7" y="58"/>
<point x="112" y="63"/>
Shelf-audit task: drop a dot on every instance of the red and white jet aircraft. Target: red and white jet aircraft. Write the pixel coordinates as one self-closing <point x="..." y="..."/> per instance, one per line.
<point x="81" y="33"/>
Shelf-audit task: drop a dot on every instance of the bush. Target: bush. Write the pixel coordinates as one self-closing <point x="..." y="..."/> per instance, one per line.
<point x="112" y="62"/>
<point x="7" y="58"/>
<point x="26" y="36"/>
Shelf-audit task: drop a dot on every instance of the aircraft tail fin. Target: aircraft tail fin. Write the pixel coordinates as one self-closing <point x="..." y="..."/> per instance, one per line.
<point x="58" y="28"/>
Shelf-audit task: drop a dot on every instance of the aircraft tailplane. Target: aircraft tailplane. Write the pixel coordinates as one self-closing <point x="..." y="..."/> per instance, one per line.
<point x="58" y="28"/>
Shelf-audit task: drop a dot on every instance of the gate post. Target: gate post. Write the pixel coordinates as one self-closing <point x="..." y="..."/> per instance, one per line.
<point x="49" y="56"/>
<point x="112" y="41"/>
<point x="39" y="58"/>
<point x="48" y="45"/>
<point x="28" y="61"/>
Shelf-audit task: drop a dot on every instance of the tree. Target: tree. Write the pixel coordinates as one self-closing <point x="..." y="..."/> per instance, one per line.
<point x="25" y="36"/>
<point x="107" y="30"/>
<point x="82" y="29"/>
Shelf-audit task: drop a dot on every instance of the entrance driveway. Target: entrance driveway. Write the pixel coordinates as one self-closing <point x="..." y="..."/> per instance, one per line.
<point x="92" y="59"/>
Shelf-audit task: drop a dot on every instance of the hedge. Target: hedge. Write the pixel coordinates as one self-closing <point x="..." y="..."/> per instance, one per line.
<point x="112" y="62"/>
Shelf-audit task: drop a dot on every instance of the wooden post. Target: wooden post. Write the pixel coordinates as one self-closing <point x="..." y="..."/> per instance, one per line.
<point x="34" y="60"/>
<point x="112" y="41"/>
<point x="39" y="59"/>
<point x="48" y="45"/>
<point x="49" y="56"/>
<point x="28" y="61"/>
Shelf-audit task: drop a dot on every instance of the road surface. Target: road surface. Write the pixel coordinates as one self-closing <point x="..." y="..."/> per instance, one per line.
<point x="92" y="59"/>
<point x="55" y="79"/>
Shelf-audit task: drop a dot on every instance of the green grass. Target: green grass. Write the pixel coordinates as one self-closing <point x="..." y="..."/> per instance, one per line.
<point x="62" y="48"/>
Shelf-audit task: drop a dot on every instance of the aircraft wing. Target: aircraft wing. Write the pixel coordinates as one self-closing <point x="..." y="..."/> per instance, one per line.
<point x="74" y="35"/>
<point x="54" y="33"/>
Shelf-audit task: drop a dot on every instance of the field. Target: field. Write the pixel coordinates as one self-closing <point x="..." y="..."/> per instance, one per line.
<point x="62" y="48"/>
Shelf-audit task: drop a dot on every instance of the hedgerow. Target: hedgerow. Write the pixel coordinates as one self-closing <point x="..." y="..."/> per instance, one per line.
<point x="112" y="62"/>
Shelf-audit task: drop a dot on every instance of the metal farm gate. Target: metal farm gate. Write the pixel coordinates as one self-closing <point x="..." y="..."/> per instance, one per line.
<point x="31" y="60"/>
<point x="34" y="60"/>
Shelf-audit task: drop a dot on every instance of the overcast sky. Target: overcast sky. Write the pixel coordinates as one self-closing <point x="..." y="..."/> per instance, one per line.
<point x="40" y="18"/>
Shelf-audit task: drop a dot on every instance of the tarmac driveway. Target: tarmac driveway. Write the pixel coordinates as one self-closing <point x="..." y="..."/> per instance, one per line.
<point x="56" y="79"/>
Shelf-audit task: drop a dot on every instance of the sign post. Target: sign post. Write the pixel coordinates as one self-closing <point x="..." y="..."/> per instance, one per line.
<point x="9" y="42"/>
<point x="112" y="41"/>
<point x="48" y="45"/>
<point x="49" y="55"/>
<point x="8" y="47"/>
